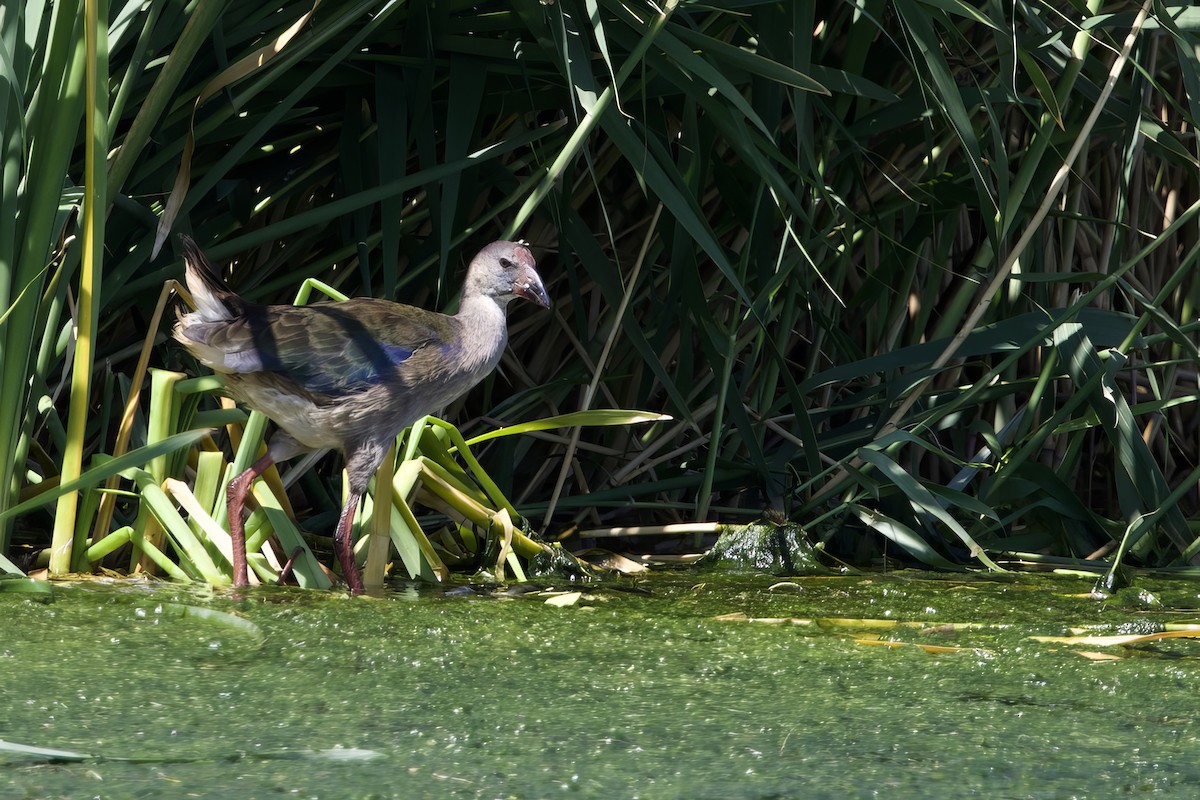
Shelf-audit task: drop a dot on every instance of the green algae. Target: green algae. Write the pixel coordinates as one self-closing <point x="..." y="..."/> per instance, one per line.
<point x="679" y="685"/>
<point x="764" y="547"/>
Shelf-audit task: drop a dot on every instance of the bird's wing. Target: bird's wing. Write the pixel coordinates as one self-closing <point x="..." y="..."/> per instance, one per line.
<point x="334" y="348"/>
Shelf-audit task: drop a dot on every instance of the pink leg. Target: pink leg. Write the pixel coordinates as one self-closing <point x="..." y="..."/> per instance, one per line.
<point x="344" y="544"/>
<point x="235" y="495"/>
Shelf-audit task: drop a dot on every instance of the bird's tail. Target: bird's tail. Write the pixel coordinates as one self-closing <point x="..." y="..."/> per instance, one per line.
<point x="210" y="294"/>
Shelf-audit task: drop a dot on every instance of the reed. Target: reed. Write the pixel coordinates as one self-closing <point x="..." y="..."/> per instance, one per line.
<point x="918" y="276"/>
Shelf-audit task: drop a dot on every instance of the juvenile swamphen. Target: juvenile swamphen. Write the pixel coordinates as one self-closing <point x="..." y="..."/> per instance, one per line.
<point x="348" y="375"/>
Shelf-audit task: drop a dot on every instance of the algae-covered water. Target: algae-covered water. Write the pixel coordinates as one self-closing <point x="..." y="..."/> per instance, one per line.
<point x="639" y="689"/>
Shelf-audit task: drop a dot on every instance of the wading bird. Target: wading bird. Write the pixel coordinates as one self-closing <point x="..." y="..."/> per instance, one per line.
<point x="348" y="375"/>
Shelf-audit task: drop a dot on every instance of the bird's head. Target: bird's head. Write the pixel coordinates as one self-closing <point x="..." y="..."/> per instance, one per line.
<point x="504" y="270"/>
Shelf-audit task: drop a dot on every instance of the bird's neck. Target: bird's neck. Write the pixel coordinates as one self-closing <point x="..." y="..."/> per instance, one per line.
<point x="484" y="329"/>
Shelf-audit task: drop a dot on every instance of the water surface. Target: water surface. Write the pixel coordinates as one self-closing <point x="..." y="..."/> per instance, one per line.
<point x="639" y="690"/>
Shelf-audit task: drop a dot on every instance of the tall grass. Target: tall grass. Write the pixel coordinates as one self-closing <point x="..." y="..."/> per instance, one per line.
<point x="917" y="275"/>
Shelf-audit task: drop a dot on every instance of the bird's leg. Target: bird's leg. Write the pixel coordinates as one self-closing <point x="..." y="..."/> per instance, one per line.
<point x="344" y="544"/>
<point x="235" y="495"/>
<point x="362" y="460"/>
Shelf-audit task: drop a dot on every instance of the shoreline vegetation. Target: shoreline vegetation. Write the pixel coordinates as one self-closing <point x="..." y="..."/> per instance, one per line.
<point x="918" y="278"/>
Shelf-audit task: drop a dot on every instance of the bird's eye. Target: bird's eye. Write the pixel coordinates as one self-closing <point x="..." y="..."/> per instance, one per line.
<point x="504" y="262"/>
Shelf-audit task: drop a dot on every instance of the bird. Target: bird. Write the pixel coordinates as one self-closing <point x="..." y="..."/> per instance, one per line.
<point x="348" y="375"/>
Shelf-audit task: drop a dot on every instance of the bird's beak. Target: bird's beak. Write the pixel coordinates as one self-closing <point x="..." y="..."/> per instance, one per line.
<point x="529" y="285"/>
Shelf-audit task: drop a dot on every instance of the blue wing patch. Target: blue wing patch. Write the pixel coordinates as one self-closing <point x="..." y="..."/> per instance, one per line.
<point x="334" y="349"/>
<point x="397" y="353"/>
